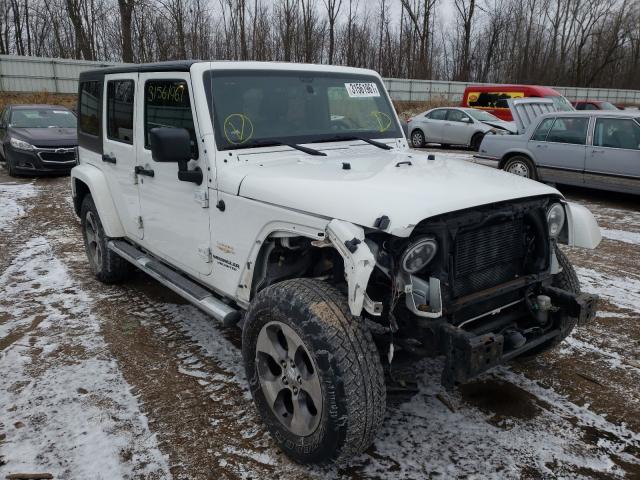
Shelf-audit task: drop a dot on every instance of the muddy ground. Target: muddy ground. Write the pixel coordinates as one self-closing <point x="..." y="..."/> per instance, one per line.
<point x="128" y="381"/>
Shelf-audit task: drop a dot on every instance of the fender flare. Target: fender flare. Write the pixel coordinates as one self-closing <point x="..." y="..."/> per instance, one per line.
<point x="581" y="227"/>
<point x="359" y="262"/>
<point x="95" y="181"/>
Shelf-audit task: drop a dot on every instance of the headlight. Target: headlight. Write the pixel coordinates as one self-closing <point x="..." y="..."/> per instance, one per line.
<point x="498" y="131"/>
<point x="555" y="219"/>
<point x="20" y="145"/>
<point x="419" y="254"/>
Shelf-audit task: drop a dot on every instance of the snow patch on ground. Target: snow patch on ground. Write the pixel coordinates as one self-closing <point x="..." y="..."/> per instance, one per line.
<point x="623" y="292"/>
<point x="66" y="409"/>
<point x="621" y="235"/>
<point x="11" y="195"/>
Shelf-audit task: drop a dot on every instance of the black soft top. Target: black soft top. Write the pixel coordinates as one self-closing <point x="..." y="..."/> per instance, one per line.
<point x="174" y="66"/>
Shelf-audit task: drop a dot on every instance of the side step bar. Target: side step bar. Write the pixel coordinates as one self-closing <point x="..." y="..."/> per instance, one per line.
<point x="189" y="290"/>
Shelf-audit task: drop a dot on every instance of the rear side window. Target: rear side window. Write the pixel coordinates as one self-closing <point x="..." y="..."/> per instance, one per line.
<point x="569" y="130"/>
<point x="89" y="108"/>
<point x="437" y="114"/>
<point x="167" y="104"/>
<point x="543" y="129"/>
<point x="617" y="133"/>
<point x="120" y="95"/>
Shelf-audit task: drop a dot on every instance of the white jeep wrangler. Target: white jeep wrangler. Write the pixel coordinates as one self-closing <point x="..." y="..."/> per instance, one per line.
<point x="284" y="198"/>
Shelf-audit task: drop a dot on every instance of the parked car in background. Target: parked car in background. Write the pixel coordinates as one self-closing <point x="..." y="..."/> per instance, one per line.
<point x="38" y="139"/>
<point x="597" y="149"/>
<point x="493" y="98"/>
<point x="455" y="126"/>
<point x="593" y="105"/>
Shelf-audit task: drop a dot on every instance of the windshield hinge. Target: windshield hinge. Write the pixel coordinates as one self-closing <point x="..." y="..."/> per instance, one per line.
<point x="205" y="254"/>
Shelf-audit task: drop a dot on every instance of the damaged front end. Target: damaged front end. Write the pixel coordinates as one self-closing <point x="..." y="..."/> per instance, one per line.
<point x="480" y="287"/>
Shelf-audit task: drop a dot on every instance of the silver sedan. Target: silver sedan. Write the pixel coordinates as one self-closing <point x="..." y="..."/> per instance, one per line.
<point x="455" y="126"/>
<point x="597" y="149"/>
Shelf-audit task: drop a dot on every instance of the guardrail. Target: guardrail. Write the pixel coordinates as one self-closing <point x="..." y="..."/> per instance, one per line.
<point x="56" y="75"/>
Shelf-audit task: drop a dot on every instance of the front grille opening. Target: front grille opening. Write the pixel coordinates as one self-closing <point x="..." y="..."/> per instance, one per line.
<point x="57" y="157"/>
<point x="488" y="256"/>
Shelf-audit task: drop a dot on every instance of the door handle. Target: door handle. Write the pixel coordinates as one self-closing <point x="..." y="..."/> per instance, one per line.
<point x="108" y="158"/>
<point x="143" y="171"/>
<point x="594" y="151"/>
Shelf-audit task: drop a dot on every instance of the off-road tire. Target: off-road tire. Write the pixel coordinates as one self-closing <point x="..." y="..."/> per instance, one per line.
<point x="476" y="141"/>
<point x="347" y="361"/>
<point x="523" y="162"/>
<point x="109" y="268"/>
<point x="567" y="279"/>
<point x="418" y="139"/>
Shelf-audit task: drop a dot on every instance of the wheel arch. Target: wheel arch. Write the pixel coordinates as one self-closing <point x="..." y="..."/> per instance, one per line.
<point x="330" y="246"/>
<point x="87" y="179"/>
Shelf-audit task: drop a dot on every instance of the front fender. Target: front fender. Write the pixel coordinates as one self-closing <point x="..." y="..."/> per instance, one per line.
<point x="95" y="181"/>
<point x="582" y="229"/>
<point x="348" y="240"/>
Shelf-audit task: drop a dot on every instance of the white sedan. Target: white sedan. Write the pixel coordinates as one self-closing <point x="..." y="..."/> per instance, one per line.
<point x="456" y="126"/>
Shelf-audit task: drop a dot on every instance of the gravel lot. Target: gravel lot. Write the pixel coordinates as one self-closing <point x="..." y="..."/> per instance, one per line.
<point x="109" y="382"/>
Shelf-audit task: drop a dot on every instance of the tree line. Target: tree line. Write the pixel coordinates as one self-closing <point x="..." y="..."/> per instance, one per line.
<point x="590" y="43"/>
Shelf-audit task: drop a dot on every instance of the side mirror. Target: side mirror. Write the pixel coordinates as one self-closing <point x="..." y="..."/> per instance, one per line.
<point x="170" y="144"/>
<point x="174" y="145"/>
<point x="466" y="120"/>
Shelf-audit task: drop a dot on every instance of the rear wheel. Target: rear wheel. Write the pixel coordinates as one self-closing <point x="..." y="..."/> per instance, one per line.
<point x="521" y="166"/>
<point x="314" y="371"/>
<point x="105" y="264"/>
<point x="417" y="139"/>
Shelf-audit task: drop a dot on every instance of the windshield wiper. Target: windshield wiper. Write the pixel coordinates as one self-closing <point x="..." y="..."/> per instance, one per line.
<point x="307" y="150"/>
<point x="346" y="138"/>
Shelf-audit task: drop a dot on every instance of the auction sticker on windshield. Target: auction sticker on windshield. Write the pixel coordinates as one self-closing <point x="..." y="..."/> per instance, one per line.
<point x="362" y="89"/>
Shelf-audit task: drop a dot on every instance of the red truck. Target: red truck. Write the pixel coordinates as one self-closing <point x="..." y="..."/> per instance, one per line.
<point x="493" y="98"/>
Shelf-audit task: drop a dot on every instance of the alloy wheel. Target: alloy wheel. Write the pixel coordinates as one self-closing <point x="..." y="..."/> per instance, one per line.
<point x="93" y="242"/>
<point x="289" y="378"/>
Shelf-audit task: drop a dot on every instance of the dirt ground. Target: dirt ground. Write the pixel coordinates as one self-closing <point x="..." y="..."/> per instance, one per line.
<point x="128" y="381"/>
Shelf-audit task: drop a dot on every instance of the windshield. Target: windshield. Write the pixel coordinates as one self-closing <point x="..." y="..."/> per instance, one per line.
<point x="482" y="116"/>
<point x="42" y="118"/>
<point x="607" y="106"/>
<point x="561" y="103"/>
<point x="254" y="108"/>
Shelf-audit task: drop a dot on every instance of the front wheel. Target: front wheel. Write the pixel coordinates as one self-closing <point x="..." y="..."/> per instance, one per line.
<point x="314" y="371"/>
<point x="417" y="139"/>
<point x="521" y="166"/>
<point x="476" y="141"/>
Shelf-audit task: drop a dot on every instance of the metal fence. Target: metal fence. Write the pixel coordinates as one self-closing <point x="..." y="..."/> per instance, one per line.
<point x="423" y="90"/>
<point x="34" y="74"/>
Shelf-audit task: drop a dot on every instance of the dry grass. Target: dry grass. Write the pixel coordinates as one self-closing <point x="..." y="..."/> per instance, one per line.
<point x="66" y="100"/>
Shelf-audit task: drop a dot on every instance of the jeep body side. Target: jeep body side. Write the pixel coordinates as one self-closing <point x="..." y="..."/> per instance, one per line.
<point x="284" y="198"/>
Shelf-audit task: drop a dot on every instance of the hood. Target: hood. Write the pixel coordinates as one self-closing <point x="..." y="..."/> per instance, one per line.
<point x="526" y="110"/>
<point x="47" y="137"/>
<point x="378" y="183"/>
<point x="508" y="126"/>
